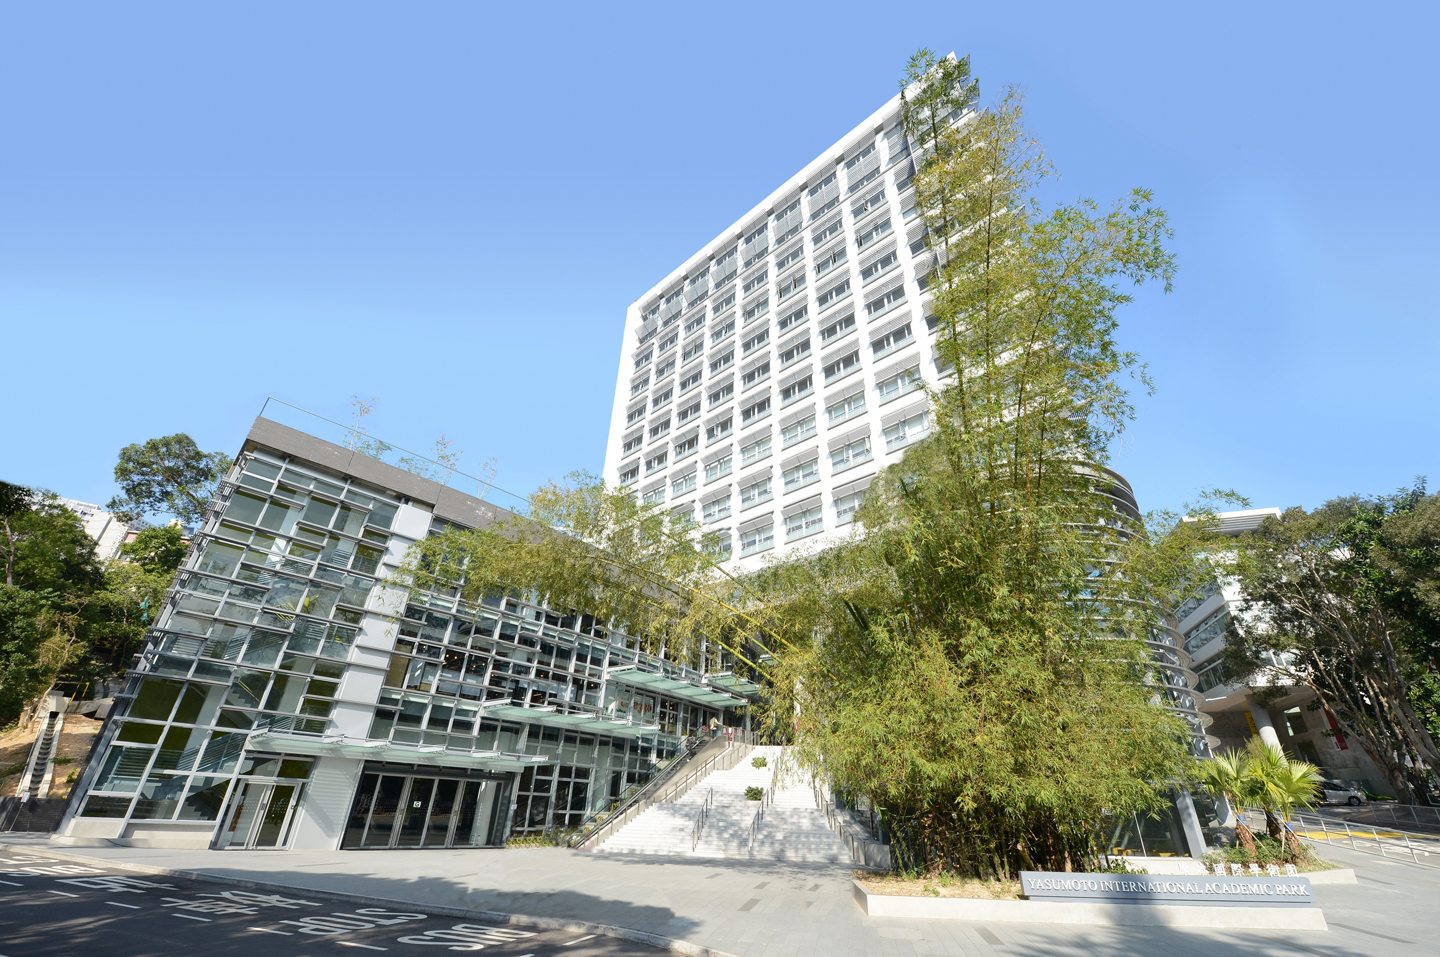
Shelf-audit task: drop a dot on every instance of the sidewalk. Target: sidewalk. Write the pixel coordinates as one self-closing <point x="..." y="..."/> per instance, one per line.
<point x="783" y="909"/>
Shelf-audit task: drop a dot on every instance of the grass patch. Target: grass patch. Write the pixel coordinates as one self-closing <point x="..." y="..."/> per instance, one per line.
<point x="938" y="885"/>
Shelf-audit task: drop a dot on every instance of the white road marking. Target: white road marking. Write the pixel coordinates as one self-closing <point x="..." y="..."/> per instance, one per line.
<point x="11" y="884"/>
<point x="118" y="904"/>
<point x="65" y="893"/>
<point x="266" y="930"/>
<point x="351" y="943"/>
<point x="190" y="917"/>
<point x="578" y="940"/>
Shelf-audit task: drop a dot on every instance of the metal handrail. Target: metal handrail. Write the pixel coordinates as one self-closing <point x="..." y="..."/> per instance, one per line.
<point x="755" y="823"/>
<point x="1356" y="839"/>
<point x="640" y="802"/>
<point x="775" y="778"/>
<point x="700" y="818"/>
<point x="635" y="794"/>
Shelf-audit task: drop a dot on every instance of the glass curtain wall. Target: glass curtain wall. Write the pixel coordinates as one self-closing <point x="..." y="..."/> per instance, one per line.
<point x="415" y="809"/>
<point x="257" y="636"/>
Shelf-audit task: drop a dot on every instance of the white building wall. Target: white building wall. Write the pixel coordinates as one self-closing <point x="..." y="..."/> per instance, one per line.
<point x="675" y="354"/>
<point x="107" y="530"/>
<point x="322" y="813"/>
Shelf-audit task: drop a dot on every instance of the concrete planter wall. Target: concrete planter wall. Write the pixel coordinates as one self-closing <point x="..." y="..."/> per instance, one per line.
<point x="1064" y="912"/>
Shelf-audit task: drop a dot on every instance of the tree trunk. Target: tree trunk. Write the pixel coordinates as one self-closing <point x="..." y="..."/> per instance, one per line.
<point x="1246" y="837"/>
<point x="1272" y="826"/>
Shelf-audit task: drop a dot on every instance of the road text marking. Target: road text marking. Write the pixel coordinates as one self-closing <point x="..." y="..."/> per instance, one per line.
<point x="118" y="904"/>
<point x="190" y="917"/>
<point x="266" y="930"/>
<point x="351" y="943"/>
<point x="65" y="893"/>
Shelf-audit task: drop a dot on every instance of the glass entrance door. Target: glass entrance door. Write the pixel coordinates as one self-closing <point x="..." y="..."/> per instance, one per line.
<point x="260" y="815"/>
<point x="275" y="819"/>
<point x="239" y="821"/>
<point x="399" y="810"/>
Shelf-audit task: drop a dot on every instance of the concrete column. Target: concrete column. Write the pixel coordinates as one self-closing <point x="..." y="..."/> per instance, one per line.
<point x="1261" y="715"/>
<point x="1190" y="821"/>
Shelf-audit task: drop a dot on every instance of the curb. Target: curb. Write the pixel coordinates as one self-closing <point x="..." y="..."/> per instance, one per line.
<point x="670" y="944"/>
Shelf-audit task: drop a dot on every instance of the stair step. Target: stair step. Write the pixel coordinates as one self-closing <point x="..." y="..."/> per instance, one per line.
<point x="792" y="828"/>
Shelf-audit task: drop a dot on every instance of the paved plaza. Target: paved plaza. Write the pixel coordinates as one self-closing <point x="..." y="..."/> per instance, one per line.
<point x="780" y="909"/>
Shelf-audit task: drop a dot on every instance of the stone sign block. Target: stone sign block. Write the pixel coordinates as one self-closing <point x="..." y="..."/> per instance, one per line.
<point x="1248" y="891"/>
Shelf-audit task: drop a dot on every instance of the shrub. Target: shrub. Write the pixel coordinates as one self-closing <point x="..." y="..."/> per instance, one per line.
<point x="1118" y="865"/>
<point x="759" y="762"/>
<point x="1267" y="851"/>
<point x="754" y="794"/>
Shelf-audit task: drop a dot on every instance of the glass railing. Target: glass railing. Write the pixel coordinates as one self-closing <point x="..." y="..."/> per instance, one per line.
<point x="361" y="441"/>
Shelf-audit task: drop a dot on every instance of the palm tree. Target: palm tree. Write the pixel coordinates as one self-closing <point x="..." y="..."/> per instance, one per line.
<point x="1278" y="786"/>
<point x="1228" y="774"/>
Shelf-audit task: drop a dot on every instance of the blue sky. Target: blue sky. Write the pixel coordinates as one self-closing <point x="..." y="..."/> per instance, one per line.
<point x="448" y="206"/>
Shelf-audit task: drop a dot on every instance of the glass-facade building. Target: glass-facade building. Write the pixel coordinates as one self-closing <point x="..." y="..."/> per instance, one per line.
<point x="288" y="698"/>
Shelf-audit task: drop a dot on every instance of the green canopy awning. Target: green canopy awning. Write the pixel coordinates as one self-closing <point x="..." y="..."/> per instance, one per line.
<point x="588" y="723"/>
<point x="386" y="751"/>
<point x="675" y="688"/>
<point x="734" y="684"/>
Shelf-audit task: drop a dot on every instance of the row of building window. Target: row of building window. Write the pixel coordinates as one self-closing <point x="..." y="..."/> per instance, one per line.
<point x="891" y="386"/>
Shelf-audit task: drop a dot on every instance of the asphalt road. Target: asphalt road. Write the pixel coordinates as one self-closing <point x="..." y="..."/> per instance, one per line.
<point x="56" y="907"/>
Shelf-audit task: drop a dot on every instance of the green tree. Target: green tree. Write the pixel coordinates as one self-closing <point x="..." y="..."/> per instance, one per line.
<point x="15" y="501"/>
<point x="1228" y="775"/>
<point x="159" y="549"/>
<point x="119" y="613"/>
<point x="50" y="574"/>
<point x="1278" y="785"/>
<point x="20" y="635"/>
<point x="169" y="475"/>
<point x="1336" y="602"/>
<point x="46" y="548"/>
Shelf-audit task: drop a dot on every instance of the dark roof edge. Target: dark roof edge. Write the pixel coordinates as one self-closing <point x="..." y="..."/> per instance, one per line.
<point x="447" y="503"/>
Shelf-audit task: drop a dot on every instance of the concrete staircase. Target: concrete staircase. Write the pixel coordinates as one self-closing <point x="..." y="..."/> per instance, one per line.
<point x="40" y="769"/>
<point x="791" y="827"/>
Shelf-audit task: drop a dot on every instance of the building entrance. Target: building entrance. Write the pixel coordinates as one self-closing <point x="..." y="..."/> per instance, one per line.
<point x="260" y="814"/>
<point x="418" y="809"/>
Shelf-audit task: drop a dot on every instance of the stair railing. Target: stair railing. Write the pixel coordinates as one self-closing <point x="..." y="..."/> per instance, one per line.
<point x="755" y="823"/>
<point x="665" y="787"/>
<point x="700" y="817"/>
<point x="775" y="778"/>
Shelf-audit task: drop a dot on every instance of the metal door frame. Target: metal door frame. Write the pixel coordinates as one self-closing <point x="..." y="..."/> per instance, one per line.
<point x="502" y="781"/>
<point x="267" y="786"/>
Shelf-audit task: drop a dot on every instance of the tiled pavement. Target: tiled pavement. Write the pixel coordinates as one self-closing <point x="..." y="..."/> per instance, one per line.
<point x="780" y="909"/>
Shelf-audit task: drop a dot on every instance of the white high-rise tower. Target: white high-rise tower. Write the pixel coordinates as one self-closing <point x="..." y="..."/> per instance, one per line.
<point x="764" y="382"/>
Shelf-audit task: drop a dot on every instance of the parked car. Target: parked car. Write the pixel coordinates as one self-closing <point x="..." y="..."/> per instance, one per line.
<point x="1337" y="793"/>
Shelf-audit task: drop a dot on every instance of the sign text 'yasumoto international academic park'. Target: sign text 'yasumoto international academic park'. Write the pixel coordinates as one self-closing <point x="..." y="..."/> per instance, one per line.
<point x="1167" y="889"/>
